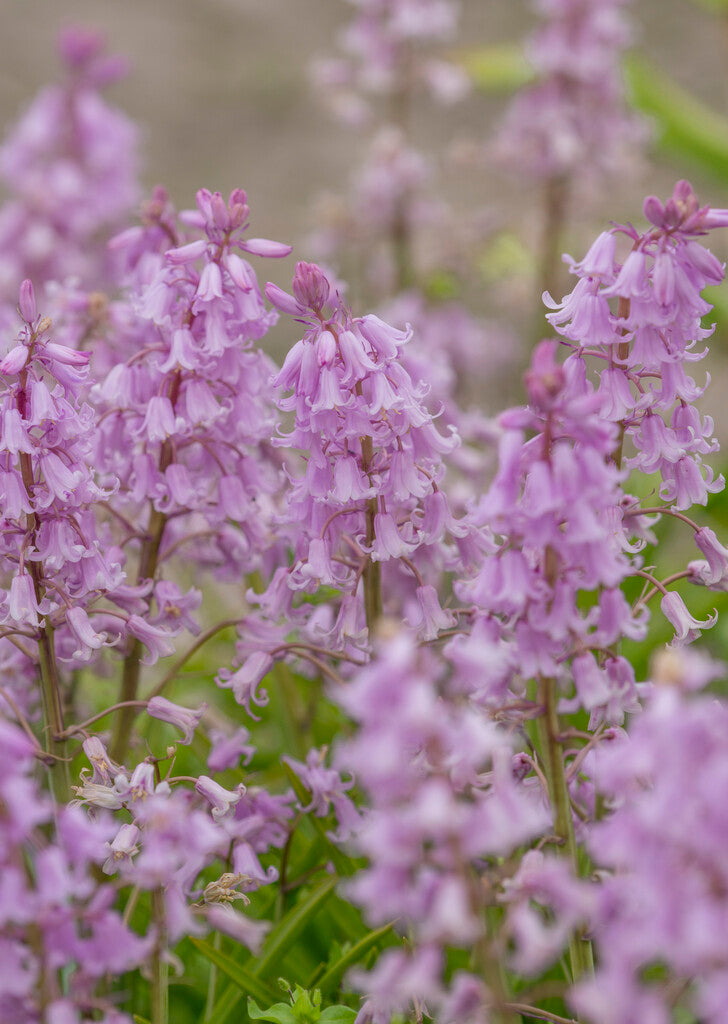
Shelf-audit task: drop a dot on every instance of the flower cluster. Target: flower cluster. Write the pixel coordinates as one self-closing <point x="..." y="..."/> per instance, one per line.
<point x="572" y="121"/>
<point x="71" y="166"/>
<point x="645" y="344"/>
<point x="370" y="492"/>
<point x="60" y="933"/>
<point x="469" y="796"/>
<point x="386" y="50"/>
<point x="55" y="555"/>
<point x="662" y="910"/>
<point x="444" y="802"/>
<point x="186" y="411"/>
<point x="176" y="833"/>
<point x="555" y="507"/>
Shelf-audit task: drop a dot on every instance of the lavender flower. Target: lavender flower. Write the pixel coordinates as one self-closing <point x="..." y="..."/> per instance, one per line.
<point x="71" y="166"/>
<point x="572" y="121"/>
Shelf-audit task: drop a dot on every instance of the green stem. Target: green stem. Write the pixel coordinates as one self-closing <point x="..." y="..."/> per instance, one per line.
<point x="212" y="983"/>
<point x="148" y="561"/>
<point x="372" y="577"/>
<point x="555" y="202"/>
<point x="372" y="574"/>
<point x="623" y="310"/>
<point x="50" y="683"/>
<point x="131" y="671"/>
<point x="491" y="970"/>
<point x="60" y="774"/>
<point x="160" y="967"/>
<point x="549" y="732"/>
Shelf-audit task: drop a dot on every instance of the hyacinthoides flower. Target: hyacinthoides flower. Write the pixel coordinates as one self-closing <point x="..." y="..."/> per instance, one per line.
<point x="50" y="547"/>
<point x="192" y="845"/>
<point x="392" y="211"/>
<point x="61" y="935"/>
<point x="643" y="351"/>
<point x="558" y="510"/>
<point x="445" y="805"/>
<point x="187" y="413"/>
<point x="71" y="166"/>
<point x="370" y="491"/>
<point x="571" y="125"/>
<point x="661" y="853"/>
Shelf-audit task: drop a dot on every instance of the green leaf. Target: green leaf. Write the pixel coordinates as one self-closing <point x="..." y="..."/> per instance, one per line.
<point x="225" y="1005"/>
<point x="306" y="1006"/>
<point x="285" y="933"/>
<point x="337" y="1015"/>
<point x="719" y="6"/>
<point x="280" y="1013"/>
<point x="139" y="1020"/>
<point x="686" y="126"/>
<point x="357" y="952"/>
<point x="242" y="978"/>
<point x="719" y="300"/>
<point x="501" y="68"/>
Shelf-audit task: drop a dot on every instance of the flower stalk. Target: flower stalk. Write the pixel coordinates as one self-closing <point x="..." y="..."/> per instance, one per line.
<point x="549" y="728"/>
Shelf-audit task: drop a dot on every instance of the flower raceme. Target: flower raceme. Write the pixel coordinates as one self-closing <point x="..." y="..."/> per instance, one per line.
<point x="466" y="775"/>
<point x="187" y="408"/>
<point x="645" y="347"/>
<point x="71" y="165"/>
<point x="573" y="119"/>
<point x="57" y="557"/>
<point x="369" y="493"/>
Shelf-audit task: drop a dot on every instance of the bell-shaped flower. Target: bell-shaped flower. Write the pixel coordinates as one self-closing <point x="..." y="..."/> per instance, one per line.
<point x="26" y="302"/>
<point x="14" y="361"/>
<point x="245" y="930"/>
<point x="220" y="799"/>
<point x="86" y="637"/>
<point x="156" y="639"/>
<point x="715" y="553"/>
<point x="122" y="848"/>
<point x="184" y="719"/>
<point x="159" y="420"/>
<point x="687" y="628"/>
<point x="23" y="606"/>
<point x="432" y="618"/>
<point x="245" y="681"/>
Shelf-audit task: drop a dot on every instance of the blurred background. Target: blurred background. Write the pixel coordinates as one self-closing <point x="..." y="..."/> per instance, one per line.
<point x="222" y="91"/>
<point x="224" y="95"/>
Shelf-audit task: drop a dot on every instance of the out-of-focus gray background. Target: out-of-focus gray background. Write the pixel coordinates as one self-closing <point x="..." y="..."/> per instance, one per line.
<point x="220" y="88"/>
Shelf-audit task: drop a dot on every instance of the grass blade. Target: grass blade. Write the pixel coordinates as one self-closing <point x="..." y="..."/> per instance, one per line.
<point x="285" y="933"/>
<point x="244" y="979"/>
<point x="331" y="978"/>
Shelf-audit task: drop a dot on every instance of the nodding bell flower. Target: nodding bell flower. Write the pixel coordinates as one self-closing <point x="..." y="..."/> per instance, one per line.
<point x="184" y="719"/>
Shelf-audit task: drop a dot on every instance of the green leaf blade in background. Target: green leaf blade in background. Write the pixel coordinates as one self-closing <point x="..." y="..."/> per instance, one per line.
<point x="501" y="68"/>
<point x="244" y="979"/>
<point x="281" y="938"/>
<point x="332" y="977"/>
<point x="279" y="1013"/>
<point x="337" y="1015"/>
<point x="686" y="127"/>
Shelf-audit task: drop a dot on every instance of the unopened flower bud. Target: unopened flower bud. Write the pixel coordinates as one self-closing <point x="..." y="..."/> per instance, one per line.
<point x="26" y="302"/>
<point x="310" y="285"/>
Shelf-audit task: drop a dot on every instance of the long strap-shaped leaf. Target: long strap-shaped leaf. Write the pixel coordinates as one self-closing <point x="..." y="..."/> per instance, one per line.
<point x="331" y="978"/>
<point x="285" y="933"/>
<point x="225" y="1005"/>
<point x="686" y="125"/>
<point x="245" y="980"/>
<point x="278" y="942"/>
